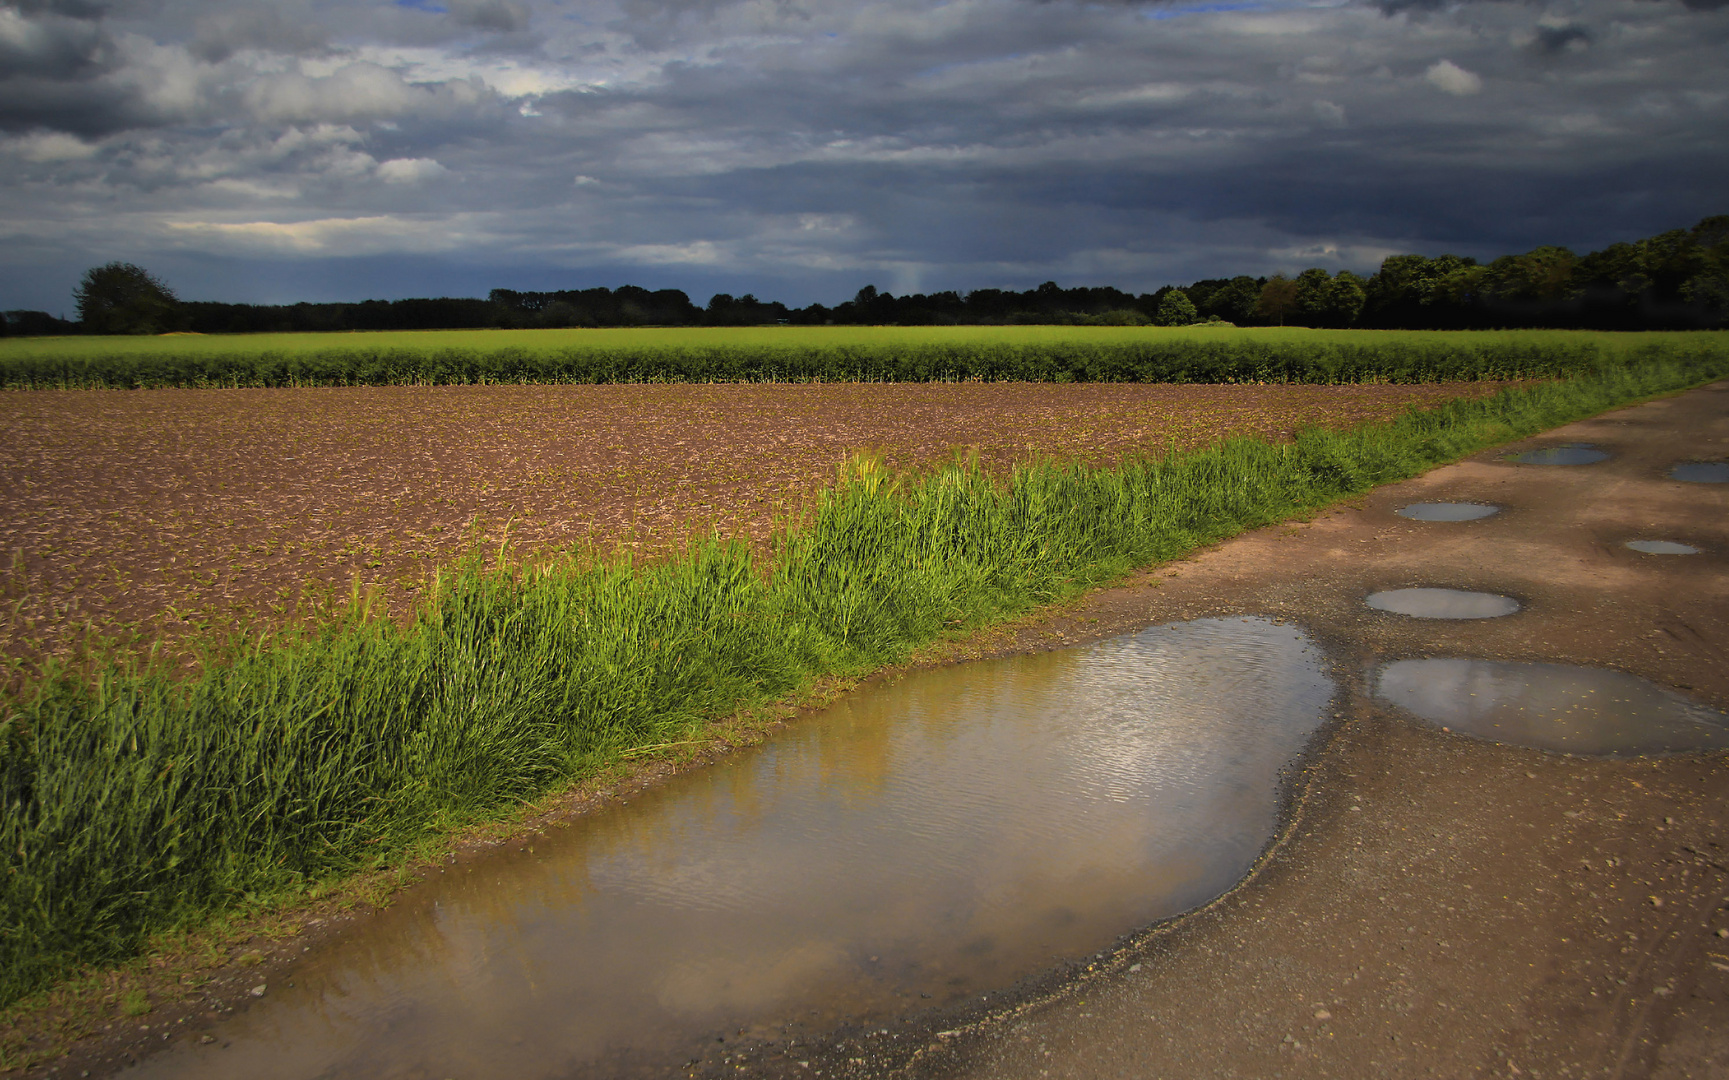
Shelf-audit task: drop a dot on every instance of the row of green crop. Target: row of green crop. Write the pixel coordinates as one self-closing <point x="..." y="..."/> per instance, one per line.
<point x="132" y="801"/>
<point x="1160" y="359"/>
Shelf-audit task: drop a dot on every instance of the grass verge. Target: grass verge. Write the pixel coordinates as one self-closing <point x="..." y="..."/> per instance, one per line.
<point x="135" y="803"/>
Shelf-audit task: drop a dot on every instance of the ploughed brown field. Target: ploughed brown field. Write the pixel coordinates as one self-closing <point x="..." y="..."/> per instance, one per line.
<point x="146" y="514"/>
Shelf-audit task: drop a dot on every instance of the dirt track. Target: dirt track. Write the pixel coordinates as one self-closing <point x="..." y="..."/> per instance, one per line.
<point x="1443" y="906"/>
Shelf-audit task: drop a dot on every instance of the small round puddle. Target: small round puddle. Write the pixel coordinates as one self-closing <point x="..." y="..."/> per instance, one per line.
<point x="1662" y="547"/>
<point x="1568" y="454"/>
<point x="1573" y="710"/>
<point x="1447" y="511"/>
<point x="1442" y="603"/>
<point x="1701" y="472"/>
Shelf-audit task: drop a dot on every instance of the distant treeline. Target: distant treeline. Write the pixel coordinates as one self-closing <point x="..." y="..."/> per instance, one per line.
<point x="1676" y="280"/>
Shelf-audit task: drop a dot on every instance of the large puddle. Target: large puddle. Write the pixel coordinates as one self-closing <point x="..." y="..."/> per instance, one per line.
<point x="1702" y="472"/>
<point x="1442" y="603"/>
<point x="1568" y="454"/>
<point x="1447" y="511"/>
<point x="921" y="842"/>
<point x="1574" y="710"/>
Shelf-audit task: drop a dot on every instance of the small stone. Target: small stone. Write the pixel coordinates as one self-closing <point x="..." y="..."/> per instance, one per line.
<point x="1656" y="901"/>
<point x="1322" y="1014"/>
<point x="1136" y="967"/>
<point x="257" y="991"/>
<point x="207" y="1039"/>
<point x="1722" y="933"/>
<point x="1530" y="776"/>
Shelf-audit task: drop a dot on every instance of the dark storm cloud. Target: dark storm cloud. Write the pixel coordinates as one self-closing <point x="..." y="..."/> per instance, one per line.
<point x="1551" y="40"/>
<point x="501" y="16"/>
<point x="801" y="149"/>
<point x="73" y="9"/>
<point x="54" y="46"/>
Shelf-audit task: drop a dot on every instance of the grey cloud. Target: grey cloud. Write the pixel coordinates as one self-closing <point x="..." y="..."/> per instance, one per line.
<point x="52" y="46"/>
<point x="72" y="9"/>
<point x="221" y="34"/>
<point x="1552" y="40"/>
<point x="500" y="16"/>
<point x="799" y="151"/>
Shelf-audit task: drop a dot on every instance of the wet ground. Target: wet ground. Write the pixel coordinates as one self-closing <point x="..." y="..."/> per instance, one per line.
<point x="1437" y="904"/>
<point x="1443" y="905"/>
<point x="922" y="841"/>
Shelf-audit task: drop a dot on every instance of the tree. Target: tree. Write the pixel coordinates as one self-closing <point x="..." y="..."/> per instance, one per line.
<point x="1346" y="297"/>
<point x="1278" y="299"/>
<point x="120" y="298"/>
<point x="1234" y="301"/>
<point x="1313" y="304"/>
<point x="1176" y="309"/>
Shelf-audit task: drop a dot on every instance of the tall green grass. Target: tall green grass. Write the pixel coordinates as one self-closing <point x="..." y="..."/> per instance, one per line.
<point x="132" y="801"/>
<point x="832" y="354"/>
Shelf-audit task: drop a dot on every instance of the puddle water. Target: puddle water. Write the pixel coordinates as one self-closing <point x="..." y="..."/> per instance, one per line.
<point x="1447" y="511"/>
<point x="1442" y="603"/>
<point x="1701" y="472"/>
<point x="1662" y="547"/>
<point x="943" y="835"/>
<point x="1568" y="454"/>
<point x="1575" y="710"/>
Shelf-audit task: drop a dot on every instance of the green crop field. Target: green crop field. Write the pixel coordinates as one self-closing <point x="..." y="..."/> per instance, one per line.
<point x="840" y="353"/>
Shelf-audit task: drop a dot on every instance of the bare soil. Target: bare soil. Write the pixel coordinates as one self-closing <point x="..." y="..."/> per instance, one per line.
<point x="164" y="514"/>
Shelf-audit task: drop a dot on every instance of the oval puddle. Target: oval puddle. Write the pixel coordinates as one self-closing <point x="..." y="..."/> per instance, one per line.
<point x="1447" y="511"/>
<point x="1442" y="603"/>
<point x="919" y="842"/>
<point x="1701" y="472"/>
<point x="1569" y="454"/>
<point x="1662" y="547"/>
<point x="1574" y="710"/>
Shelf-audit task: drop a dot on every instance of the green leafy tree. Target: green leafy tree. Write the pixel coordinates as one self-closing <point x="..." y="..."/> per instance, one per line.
<point x="120" y="298"/>
<point x="1312" y="302"/>
<point x="1235" y="301"/>
<point x="1346" y="296"/>
<point x="1176" y="309"/>
<point x="1541" y="275"/>
<point x="1278" y="299"/>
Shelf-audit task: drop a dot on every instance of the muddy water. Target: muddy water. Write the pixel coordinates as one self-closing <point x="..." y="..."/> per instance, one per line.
<point x="1662" y="547"/>
<point x="1575" y="710"/>
<point x="943" y="835"/>
<point x="1447" y="511"/>
<point x="1567" y="454"/>
<point x="1701" y="472"/>
<point x="1442" y="603"/>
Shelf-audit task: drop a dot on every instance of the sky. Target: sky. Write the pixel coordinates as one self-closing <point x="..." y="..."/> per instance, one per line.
<point x="800" y="149"/>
